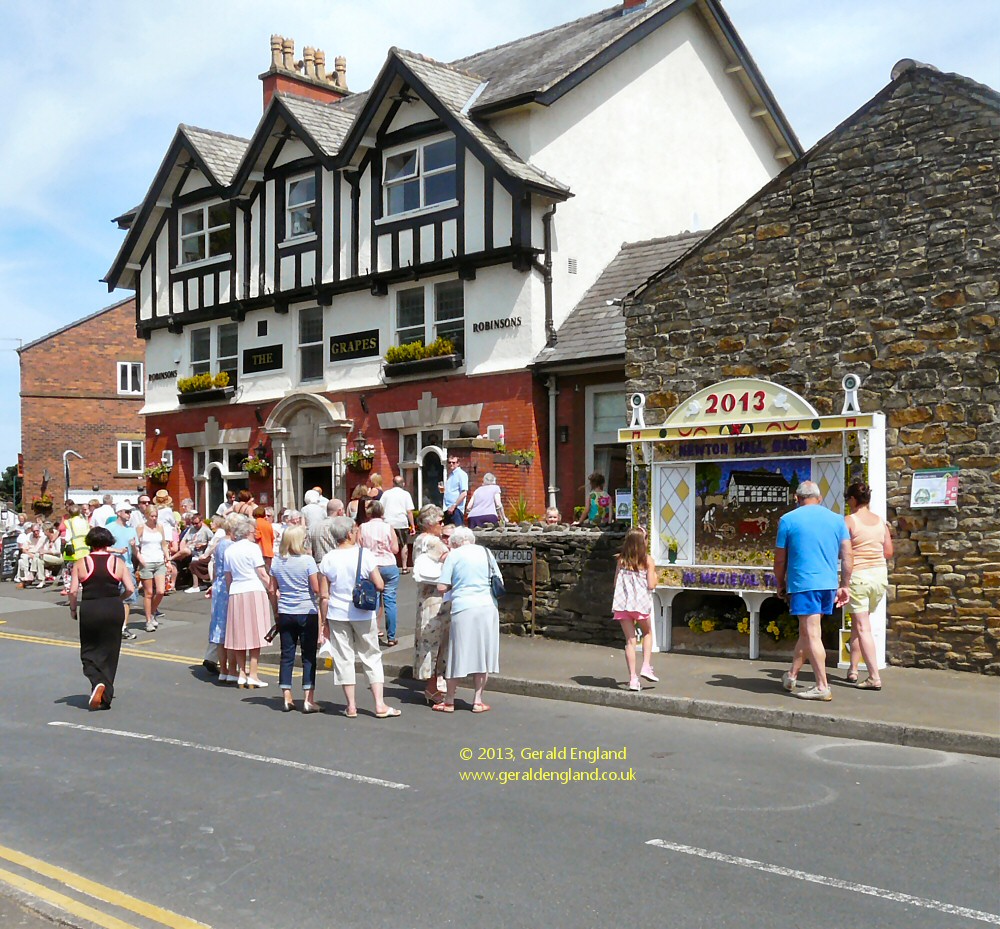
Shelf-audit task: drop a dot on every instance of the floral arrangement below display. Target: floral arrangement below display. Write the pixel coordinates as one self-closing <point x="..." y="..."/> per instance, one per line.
<point x="157" y="471"/>
<point x="257" y="465"/>
<point x="415" y="351"/>
<point x="191" y="385"/>
<point x="705" y="619"/>
<point x="360" y="459"/>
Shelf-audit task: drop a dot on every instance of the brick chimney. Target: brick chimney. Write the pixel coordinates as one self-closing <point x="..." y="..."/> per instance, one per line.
<point x="305" y="78"/>
<point x="629" y="5"/>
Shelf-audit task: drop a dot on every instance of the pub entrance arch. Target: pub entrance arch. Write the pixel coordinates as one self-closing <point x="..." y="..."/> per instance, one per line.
<point x="307" y="431"/>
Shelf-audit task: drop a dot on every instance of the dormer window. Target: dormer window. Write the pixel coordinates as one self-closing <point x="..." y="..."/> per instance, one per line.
<point x="205" y="233"/>
<point x="421" y="176"/>
<point x="300" y="207"/>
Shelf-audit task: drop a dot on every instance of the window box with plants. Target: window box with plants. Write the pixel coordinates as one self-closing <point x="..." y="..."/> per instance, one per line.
<point x="417" y="358"/>
<point x="522" y="457"/>
<point x="256" y="466"/>
<point x="202" y="388"/>
<point x="157" y="472"/>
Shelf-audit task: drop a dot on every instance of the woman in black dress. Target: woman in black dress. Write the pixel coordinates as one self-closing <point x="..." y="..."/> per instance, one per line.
<point x="98" y="579"/>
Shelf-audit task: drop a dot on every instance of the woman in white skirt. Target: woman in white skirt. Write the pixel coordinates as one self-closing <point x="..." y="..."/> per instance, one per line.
<point x="248" y="617"/>
<point x="474" y="642"/>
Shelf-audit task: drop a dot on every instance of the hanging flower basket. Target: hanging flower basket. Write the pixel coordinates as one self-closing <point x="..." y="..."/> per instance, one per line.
<point x="42" y="504"/>
<point x="360" y="460"/>
<point x="256" y="467"/>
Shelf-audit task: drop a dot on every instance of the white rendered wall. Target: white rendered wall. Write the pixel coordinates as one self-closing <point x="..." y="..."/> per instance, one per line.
<point x="659" y="141"/>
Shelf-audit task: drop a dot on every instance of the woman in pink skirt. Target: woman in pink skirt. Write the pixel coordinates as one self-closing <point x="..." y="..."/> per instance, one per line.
<point x="249" y="615"/>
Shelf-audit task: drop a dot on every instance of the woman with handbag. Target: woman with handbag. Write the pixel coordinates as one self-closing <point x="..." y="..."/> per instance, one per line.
<point x="471" y="574"/>
<point x="433" y="611"/>
<point x="349" y="584"/>
<point x="296" y="578"/>
<point x="380" y="539"/>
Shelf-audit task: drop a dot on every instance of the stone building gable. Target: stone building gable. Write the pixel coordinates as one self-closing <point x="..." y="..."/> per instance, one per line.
<point x="875" y="253"/>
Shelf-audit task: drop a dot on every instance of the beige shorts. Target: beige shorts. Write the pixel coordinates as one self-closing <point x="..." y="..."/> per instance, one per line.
<point x="867" y="589"/>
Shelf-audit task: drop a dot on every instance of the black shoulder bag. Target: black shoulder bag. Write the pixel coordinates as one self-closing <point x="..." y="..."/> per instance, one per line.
<point x="365" y="595"/>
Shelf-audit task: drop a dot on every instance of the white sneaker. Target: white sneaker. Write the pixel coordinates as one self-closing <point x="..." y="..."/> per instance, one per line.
<point x="815" y="693"/>
<point x="789" y="682"/>
<point x="634" y="684"/>
<point x="193" y="590"/>
<point x="150" y="627"/>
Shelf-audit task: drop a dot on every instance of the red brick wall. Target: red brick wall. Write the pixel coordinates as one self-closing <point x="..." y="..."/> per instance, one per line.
<point x="519" y="401"/>
<point x="70" y="400"/>
<point x="571" y="458"/>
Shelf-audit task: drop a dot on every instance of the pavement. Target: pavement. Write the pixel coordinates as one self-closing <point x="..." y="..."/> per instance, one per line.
<point x="944" y="710"/>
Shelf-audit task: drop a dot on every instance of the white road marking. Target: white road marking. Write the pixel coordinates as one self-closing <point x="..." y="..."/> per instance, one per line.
<point x="249" y="756"/>
<point x="992" y="918"/>
<point x="852" y="749"/>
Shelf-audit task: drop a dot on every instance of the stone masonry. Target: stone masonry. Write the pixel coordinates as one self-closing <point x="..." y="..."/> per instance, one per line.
<point x="574" y="581"/>
<point x="876" y="253"/>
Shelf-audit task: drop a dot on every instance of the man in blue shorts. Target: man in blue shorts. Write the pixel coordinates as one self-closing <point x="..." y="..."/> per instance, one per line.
<point x="810" y="540"/>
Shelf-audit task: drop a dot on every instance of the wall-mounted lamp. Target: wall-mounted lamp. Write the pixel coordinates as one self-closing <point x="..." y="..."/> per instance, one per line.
<point x="564" y="434"/>
<point x="261" y="448"/>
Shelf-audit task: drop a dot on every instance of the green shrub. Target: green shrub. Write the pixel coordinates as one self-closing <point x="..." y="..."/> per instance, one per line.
<point x="415" y="351"/>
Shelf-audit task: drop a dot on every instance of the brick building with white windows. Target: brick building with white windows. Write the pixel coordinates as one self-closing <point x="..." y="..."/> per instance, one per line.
<point x="386" y="267"/>
<point x="82" y="388"/>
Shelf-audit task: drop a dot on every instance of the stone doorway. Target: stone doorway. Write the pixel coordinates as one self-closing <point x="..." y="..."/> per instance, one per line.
<point x="307" y="431"/>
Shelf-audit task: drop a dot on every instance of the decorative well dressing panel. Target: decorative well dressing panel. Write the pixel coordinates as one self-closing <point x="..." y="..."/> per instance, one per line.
<point x="674" y="501"/>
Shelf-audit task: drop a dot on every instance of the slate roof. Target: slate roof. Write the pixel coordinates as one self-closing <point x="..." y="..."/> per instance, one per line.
<point x="538" y="62"/>
<point x="326" y="123"/>
<point x="595" y="330"/>
<point x="456" y="89"/>
<point x="222" y="153"/>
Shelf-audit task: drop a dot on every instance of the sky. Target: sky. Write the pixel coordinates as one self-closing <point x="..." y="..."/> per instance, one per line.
<point x="95" y="89"/>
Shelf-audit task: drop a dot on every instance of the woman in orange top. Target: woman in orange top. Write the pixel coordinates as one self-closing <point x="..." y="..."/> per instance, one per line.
<point x="265" y="535"/>
<point x="872" y="545"/>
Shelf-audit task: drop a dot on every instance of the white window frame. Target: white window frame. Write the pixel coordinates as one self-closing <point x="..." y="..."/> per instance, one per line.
<point x="298" y="207"/>
<point x="419" y="174"/>
<point x="431" y="324"/>
<point x="130" y="374"/>
<point x="205" y="233"/>
<point x="300" y="345"/>
<point x="132" y="446"/>
<point x="592" y="437"/>
<point x="215" y="359"/>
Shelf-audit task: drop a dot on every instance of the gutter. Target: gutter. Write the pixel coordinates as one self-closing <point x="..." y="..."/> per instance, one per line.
<point x="545" y="269"/>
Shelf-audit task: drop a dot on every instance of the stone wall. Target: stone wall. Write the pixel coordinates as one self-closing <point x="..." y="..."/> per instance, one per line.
<point x="876" y="253"/>
<point x="574" y="581"/>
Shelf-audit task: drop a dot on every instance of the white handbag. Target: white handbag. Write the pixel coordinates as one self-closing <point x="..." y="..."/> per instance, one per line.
<point x="425" y="569"/>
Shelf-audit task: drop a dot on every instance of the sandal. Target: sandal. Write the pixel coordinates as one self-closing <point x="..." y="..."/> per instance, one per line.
<point x="869" y="684"/>
<point x="388" y="713"/>
<point x="480" y="708"/>
<point x="389" y="643"/>
<point x="443" y="708"/>
<point x="852" y="677"/>
<point x="351" y="714"/>
<point x="433" y="697"/>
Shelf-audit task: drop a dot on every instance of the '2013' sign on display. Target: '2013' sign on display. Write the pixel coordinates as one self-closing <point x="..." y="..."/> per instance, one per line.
<point x="728" y="402"/>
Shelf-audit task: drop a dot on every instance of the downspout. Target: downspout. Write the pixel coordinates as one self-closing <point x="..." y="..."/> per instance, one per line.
<point x="550" y="328"/>
<point x="550" y="382"/>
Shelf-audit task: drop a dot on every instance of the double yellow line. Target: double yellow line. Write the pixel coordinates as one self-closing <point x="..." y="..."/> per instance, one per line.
<point x="126" y="650"/>
<point x="99" y="892"/>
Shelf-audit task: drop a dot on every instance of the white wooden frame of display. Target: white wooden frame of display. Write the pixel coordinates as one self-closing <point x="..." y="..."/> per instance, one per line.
<point x="780" y="414"/>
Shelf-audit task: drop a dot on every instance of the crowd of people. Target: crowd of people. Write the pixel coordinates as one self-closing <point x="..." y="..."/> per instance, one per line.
<point x="296" y="578"/>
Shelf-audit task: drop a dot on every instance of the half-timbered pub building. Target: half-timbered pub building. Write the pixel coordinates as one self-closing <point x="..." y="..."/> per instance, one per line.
<point x="382" y="269"/>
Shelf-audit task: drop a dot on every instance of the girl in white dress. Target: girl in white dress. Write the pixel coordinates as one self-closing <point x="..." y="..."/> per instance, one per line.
<point x="635" y="580"/>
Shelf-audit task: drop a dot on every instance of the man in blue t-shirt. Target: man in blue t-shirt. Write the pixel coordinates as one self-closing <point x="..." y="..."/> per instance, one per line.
<point x="810" y="540"/>
<point x="456" y="489"/>
<point x="124" y="547"/>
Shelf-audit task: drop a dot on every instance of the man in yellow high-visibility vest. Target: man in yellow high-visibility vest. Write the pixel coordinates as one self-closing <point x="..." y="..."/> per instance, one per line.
<point x="75" y="529"/>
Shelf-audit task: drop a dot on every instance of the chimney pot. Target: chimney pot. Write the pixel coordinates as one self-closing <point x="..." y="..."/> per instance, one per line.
<point x="288" y="49"/>
<point x="309" y="61"/>
<point x="320" y="64"/>
<point x="276" y="41"/>
<point x="340" y="63"/>
<point x="629" y="5"/>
